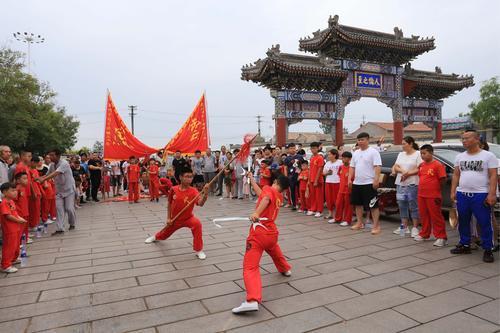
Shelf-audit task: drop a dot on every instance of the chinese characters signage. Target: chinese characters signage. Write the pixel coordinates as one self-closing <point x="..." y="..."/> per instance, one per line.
<point x="367" y="80"/>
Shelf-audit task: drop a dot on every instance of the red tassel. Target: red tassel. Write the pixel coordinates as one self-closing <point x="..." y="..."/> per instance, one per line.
<point x="245" y="148"/>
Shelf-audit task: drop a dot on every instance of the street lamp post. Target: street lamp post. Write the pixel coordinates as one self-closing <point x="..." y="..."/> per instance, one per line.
<point x="29" y="38"/>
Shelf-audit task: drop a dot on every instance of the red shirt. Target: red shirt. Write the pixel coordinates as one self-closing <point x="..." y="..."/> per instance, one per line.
<point x="34" y="185"/>
<point x="22" y="201"/>
<point x="153" y="172"/>
<point x="317" y="162"/>
<point x="303" y="182"/>
<point x="49" y="191"/>
<point x="265" y="181"/>
<point x="21" y="167"/>
<point x="430" y="174"/>
<point x="134" y="173"/>
<point x="178" y="198"/>
<point x="272" y="210"/>
<point x="344" y="179"/>
<point x="8" y="207"/>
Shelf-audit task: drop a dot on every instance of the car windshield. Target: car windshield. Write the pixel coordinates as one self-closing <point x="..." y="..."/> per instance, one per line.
<point x="447" y="154"/>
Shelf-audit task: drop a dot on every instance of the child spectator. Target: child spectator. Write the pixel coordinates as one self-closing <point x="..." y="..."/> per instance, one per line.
<point x="431" y="176"/>
<point x="316" y="190"/>
<point x="265" y="173"/>
<point x="133" y="174"/>
<point x="154" y="182"/>
<point x="303" y="183"/>
<point x="332" y="182"/>
<point x="228" y="174"/>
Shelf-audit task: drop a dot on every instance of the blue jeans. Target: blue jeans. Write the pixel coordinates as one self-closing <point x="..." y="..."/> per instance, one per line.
<point x="474" y="203"/>
<point x="407" y="201"/>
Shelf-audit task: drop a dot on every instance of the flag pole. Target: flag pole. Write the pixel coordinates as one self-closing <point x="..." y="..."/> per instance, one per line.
<point x="209" y="184"/>
<point x="105" y="122"/>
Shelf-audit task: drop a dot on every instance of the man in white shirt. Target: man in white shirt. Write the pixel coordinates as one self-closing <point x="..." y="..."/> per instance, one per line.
<point x="116" y="178"/>
<point x="365" y="167"/>
<point x="473" y="186"/>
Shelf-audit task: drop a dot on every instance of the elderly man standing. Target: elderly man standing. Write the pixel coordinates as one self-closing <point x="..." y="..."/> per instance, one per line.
<point x="65" y="190"/>
<point x="209" y="168"/>
<point x="473" y="186"/>
<point x="4" y="165"/>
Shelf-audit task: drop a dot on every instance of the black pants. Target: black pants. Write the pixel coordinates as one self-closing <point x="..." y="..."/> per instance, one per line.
<point x="95" y="183"/>
<point x="293" y="189"/>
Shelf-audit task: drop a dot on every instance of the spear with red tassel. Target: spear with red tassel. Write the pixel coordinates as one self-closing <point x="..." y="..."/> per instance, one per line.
<point x="241" y="156"/>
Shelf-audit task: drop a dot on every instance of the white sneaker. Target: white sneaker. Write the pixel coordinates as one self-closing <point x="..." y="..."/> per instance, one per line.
<point x="29" y="241"/>
<point x="398" y="230"/>
<point x="344" y="224"/>
<point x="332" y="221"/>
<point x="318" y="214"/>
<point x="246" y="307"/>
<point x="419" y="238"/>
<point x="287" y="273"/>
<point x="300" y="211"/>
<point x="309" y="213"/>
<point x="440" y="242"/>
<point x="10" y="269"/>
<point x="18" y="261"/>
<point x="150" y="240"/>
<point x="201" y="255"/>
<point x="414" y="232"/>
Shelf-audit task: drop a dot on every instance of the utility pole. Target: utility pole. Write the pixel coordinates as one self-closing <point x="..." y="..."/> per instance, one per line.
<point x="364" y="120"/>
<point x="132" y="114"/>
<point x="258" y="123"/>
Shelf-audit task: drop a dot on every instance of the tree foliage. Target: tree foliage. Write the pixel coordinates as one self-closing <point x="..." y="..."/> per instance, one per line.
<point x="486" y="112"/>
<point x="29" y="117"/>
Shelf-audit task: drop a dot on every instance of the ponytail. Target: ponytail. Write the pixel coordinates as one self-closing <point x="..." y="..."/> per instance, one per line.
<point x="411" y="141"/>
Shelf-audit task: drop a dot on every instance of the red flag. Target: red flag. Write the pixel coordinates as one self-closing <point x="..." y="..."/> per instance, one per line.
<point x="119" y="143"/>
<point x="245" y="148"/>
<point x="193" y="135"/>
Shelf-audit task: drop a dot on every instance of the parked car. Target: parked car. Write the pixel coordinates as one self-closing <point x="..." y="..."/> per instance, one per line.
<point x="445" y="156"/>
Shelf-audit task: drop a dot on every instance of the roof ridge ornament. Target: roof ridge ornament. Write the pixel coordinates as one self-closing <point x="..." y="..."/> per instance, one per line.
<point x="333" y="21"/>
<point x="274" y="50"/>
<point x="398" y="33"/>
<point x="437" y="69"/>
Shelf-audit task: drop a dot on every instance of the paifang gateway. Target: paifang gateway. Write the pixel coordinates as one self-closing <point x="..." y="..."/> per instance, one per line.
<point x="348" y="63"/>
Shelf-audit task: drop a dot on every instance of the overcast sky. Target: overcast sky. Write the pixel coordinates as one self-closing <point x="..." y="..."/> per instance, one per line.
<point x="161" y="55"/>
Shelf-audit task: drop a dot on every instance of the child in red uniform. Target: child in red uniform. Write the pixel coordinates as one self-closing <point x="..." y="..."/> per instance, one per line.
<point x="265" y="173"/>
<point x="165" y="186"/>
<point x="22" y="199"/>
<point x="12" y="226"/>
<point x="48" y="201"/>
<point x="35" y="203"/>
<point x="178" y="198"/>
<point x="431" y="175"/>
<point x="154" y="181"/>
<point x="303" y="183"/>
<point x="133" y="175"/>
<point x="315" y="189"/>
<point x="263" y="236"/>
<point x="343" y="214"/>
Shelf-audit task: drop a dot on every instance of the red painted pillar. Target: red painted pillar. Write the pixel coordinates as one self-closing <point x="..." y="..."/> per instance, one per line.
<point x="339" y="132"/>
<point x="281" y="129"/>
<point x="398" y="132"/>
<point x="439" y="133"/>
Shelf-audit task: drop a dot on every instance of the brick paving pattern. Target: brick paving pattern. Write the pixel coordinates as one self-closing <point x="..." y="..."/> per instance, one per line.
<point x="101" y="277"/>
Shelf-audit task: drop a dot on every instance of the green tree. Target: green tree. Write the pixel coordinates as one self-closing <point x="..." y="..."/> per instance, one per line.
<point x="326" y="128"/>
<point x="486" y="112"/>
<point x="29" y="117"/>
<point x="98" y="147"/>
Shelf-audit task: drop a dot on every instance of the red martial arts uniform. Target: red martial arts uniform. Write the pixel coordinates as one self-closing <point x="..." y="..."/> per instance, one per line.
<point x="303" y="183"/>
<point x="343" y="203"/>
<point x="22" y="207"/>
<point x="35" y="202"/>
<point x="48" y="200"/>
<point x="316" y="193"/>
<point x="263" y="238"/>
<point x="263" y="180"/>
<point x="429" y="199"/>
<point x="11" y="232"/>
<point x="177" y="199"/>
<point x="133" y="174"/>
<point x="154" y="181"/>
<point x="165" y="186"/>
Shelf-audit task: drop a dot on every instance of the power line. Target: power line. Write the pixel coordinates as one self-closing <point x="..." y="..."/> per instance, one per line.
<point x="132" y="114"/>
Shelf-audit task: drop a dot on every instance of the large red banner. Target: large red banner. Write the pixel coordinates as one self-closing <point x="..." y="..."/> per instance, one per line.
<point x="193" y="135"/>
<point x="119" y="143"/>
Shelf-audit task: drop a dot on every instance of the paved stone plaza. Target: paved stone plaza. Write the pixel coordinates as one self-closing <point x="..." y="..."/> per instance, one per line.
<point x="102" y="278"/>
